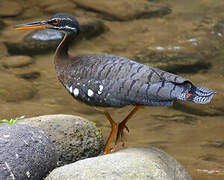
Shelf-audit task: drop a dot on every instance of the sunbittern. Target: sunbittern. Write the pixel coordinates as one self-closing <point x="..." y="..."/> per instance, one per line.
<point x="103" y="80"/>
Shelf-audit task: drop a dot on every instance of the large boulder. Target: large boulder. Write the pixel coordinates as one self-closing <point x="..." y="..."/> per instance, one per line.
<point x="25" y="153"/>
<point x="131" y="163"/>
<point x="75" y="138"/>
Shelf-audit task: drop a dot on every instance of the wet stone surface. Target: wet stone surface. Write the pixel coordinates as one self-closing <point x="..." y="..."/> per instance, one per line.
<point x="117" y="10"/>
<point x="25" y="153"/>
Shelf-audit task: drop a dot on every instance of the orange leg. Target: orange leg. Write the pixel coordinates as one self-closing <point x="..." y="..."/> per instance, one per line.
<point x="112" y="133"/>
<point x="122" y="125"/>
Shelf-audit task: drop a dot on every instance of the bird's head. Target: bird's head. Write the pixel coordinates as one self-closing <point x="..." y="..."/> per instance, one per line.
<point x="60" y="22"/>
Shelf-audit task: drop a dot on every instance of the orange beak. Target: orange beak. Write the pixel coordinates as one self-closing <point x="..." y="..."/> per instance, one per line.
<point x="35" y="25"/>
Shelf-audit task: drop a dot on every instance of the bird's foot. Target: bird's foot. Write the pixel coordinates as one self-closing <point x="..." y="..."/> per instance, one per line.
<point x="120" y="135"/>
<point x="126" y="128"/>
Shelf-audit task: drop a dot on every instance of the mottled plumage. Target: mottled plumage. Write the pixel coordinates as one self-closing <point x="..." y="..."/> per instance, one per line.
<point x="127" y="82"/>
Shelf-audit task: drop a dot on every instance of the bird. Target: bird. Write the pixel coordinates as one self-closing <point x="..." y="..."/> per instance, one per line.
<point x="108" y="81"/>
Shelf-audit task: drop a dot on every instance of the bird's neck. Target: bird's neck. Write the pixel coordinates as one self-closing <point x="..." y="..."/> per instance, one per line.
<point x="61" y="58"/>
<point x="62" y="49"/>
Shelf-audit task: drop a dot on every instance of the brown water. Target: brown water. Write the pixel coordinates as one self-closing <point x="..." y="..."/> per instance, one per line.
<point x="193" y="135"/>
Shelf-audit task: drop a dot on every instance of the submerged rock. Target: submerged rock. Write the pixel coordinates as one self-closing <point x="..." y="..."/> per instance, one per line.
<point x="25" y="153"/>
<point x="16" y="61"/>
<point x="131" y="163"/>
<point x="75" y="138"/>
<point x="219" y="29"/>
<point x="27" y="75"/>
<point x="46" y="40"/>
<point x="124" y="9"/>
<point x="10" y="8"/>
<point x="3" y="51"/>
<point x="174" y="62"/>
<point x="55" y="6"/>
<point x="2" y="25"/>
<point x="13" y="89"/>
<point x="36" y="42"/>
<point x="90" y="28"/>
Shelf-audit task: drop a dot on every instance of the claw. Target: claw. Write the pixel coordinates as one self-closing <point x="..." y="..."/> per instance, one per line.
<point x="126" y="128"/>
<point x="113" y="149"/>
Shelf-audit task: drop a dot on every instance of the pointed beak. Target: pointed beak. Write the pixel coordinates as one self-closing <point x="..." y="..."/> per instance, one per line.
<point x="35" y="25"/>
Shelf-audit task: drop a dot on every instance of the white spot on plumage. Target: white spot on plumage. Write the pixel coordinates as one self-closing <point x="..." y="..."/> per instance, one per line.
<point x="28" y="174"/>
<point x="17" y="156"/>
<point x="90" y="93"/>
<point x="71" y="89"/>
<point x="100" y="89"/>
<point x="76" y="92"/>
<point x="99" y="92"/>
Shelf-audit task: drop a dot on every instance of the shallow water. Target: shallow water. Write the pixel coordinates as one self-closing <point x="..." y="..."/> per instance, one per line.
<point x="191" y="133"/>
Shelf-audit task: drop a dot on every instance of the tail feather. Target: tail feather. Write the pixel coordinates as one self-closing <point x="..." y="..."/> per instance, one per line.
<point x="197" y="94"/>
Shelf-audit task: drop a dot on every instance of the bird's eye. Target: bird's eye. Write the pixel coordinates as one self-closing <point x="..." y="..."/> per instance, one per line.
<point x="55" y="21"/>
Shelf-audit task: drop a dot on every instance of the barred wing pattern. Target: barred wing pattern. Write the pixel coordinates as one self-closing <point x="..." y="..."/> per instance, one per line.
<point x="112" y="81"/>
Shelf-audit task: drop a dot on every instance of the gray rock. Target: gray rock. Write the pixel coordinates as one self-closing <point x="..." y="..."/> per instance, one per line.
<point x="75" y="138"/>
<point x="90" y="28"/>
<point x="36" y="42"/>
<point x="46" y="40"/>
<point x="117" y="9"/>
<point x="27" y="75"/>
<point x="13" y="89"/>
<point x="16" y="61"/>
<point x="174" y="62"/>
<point x="131" y="163"/>
<point x="10" y="8"/>
<point x="25" y="153"/>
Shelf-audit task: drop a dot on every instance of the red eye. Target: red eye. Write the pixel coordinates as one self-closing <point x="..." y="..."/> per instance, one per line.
<point x="55" y="21"/>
